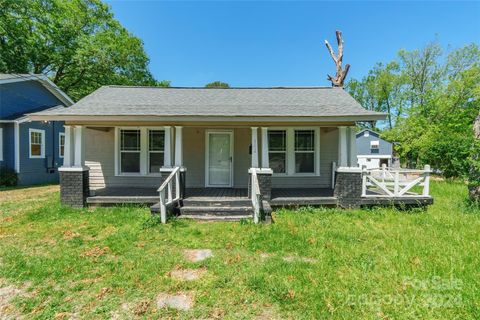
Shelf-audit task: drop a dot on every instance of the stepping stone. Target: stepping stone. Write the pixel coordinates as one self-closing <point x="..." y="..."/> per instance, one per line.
<point x="187" y="274"/>
<point x="196" y="255"/>
<point x="180" y="301"/>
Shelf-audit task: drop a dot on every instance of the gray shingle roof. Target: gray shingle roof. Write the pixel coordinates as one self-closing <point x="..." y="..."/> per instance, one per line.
<point x="278" y="102"/>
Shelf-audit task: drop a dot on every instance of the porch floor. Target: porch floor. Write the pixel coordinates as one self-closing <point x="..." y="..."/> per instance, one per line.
<point x="280" y="196"/>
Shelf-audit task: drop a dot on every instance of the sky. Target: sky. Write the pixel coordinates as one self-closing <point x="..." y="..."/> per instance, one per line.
<point x="281" y="43"/>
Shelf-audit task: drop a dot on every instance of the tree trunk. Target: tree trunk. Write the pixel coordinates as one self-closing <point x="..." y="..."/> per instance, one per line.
<point x="341" y="74"/>
<point x="474" y="179"/>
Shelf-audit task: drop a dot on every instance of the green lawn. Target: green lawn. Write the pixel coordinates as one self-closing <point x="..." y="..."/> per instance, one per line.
<point x="114" y="262"/>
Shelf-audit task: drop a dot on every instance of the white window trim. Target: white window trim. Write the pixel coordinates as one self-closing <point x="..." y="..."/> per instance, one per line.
<point x="290" y="165"/>
<point x="144" y="152"/>
<point x="375" y="144"/>
<point x="154" y="151"/>
<point x="1" y="144"/>
<point x="42" y="146"/>
<point x="60" y="135"/>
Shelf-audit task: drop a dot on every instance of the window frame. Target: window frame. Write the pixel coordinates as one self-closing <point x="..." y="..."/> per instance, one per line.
<point x="42" y="143"/>
<point x="60" y="135"/>
<point x="290" y="158"/>
<point x="144" y="151"/>
<point x="295" y="151"/>
<point x="374" y="144"/>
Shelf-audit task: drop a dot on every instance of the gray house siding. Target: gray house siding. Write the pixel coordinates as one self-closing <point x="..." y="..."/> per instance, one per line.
<point x="40" y="170"/>
<point x="363" y="144"/>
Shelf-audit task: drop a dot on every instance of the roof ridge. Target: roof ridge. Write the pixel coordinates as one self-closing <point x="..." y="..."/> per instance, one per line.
<point x="239" y="88"/>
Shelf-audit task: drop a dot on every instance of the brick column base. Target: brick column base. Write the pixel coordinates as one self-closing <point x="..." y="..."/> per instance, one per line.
<point x="165" y="172"/>
<point x="264" y="182"/>
<point x="74" y="186"/>
<point x="348" y="187"/>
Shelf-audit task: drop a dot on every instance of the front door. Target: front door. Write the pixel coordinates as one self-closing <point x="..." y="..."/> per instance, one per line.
<point x="219" y="159"/>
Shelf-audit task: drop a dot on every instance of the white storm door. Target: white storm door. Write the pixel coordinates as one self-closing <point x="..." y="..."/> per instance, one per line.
<point x="219" y="162"/>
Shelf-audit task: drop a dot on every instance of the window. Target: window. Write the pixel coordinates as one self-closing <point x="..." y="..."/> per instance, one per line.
<point x="37" y="143"/>
<point x="374" y="144"/>
<point x="304" y="151"/>
<point x="130" y="151"/>
<point x="277" y="150"/>
<point x="366" y="133"/>
<point x="1" y="144"/>
<point x="156" y="145"/>
<point x="61" y="144"/>
<point x="140" y="151"/>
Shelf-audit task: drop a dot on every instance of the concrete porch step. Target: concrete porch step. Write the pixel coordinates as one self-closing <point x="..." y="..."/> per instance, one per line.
<point x="215" y="211"/>
<point x="195" y="202"/>
<point x="208" y="217"/>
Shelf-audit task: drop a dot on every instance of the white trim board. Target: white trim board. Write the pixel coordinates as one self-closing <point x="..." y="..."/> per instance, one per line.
<point x="207" y="159"/>
<point x="1" y="144"/>
<point x="374" y="156"/>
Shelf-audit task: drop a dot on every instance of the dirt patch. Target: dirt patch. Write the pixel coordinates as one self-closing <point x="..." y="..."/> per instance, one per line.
<point x="180" y="301"/>
<point x="69" y="235"/>
<point x="268" y="313"/>
<point x="96" y="252"/>
<point x="187" y="274"/>
<point x="7" y="294"/>
<point x="196" y="255"/>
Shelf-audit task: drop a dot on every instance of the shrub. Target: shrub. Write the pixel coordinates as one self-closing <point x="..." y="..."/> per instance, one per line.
<point x="8" y="177"/>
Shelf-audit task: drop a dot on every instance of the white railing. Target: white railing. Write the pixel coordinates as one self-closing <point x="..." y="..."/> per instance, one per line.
<point x="256" y="197"/>
<point x="394" y="182"/>
<point x="166" y="193"/>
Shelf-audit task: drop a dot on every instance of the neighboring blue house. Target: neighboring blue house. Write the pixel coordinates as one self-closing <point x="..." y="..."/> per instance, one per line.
<point x="33" y="149"/>
<point x="373" y="151"/>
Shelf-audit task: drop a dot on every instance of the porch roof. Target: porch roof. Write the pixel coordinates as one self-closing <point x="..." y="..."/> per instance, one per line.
<point x="125" y="101"/>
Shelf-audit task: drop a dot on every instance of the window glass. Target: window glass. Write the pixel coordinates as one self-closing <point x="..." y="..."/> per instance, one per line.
<point x="35" y="143"/>
<point x="304" y="151"/>
<point x="130" y="140"/>
<point x="156" y="145"/>
<point x="277" y="147"/>
<point x="61" y="144"/>
<point x="130" y="151"/>
<point x="130" y="162"/>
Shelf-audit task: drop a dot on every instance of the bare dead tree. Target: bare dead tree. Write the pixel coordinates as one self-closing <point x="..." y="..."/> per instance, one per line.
<point x="341" y="73"/>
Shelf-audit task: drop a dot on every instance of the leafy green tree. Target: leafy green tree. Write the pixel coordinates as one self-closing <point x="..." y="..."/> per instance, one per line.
<point x="217" y="85"/>
<point x="77" y="43"/>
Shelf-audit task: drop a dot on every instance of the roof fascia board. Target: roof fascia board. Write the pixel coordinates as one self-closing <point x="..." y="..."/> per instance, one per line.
<point x="104" y="118"/>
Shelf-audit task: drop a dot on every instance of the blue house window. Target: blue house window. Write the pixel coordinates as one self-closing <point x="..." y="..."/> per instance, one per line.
<point x="37" y="143"/>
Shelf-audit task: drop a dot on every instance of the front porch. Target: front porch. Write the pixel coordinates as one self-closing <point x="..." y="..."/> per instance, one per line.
<point x="149" y="196"/>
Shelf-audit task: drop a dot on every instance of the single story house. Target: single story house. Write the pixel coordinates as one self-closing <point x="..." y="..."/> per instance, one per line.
<point x="33" y="149"/>
<point x="373" y="151"/>
<point x="224" y="153"/>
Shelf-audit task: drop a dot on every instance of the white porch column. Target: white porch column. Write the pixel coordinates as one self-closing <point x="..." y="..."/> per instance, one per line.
<point x="254" y="147"/>
<point x="265" y="160"/>
<point x="79" y="156"/>
<point x="352" y="152"/>
<point x="342" y="147"/>
<point x="68" y="147"/>
<point x="178" y="147"/>
<point x="167" y="160"/>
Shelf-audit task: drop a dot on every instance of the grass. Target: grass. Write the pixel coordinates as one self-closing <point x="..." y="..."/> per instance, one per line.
<point x="371" y="264"/>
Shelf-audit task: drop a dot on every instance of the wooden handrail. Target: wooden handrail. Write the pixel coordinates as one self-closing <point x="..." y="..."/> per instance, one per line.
<point x="166" y="194"/>
<point x="256" y="197"/>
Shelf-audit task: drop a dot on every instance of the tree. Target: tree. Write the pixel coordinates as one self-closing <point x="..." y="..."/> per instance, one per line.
<point x="77" y="43"/>
<point x="217" y="85"/>
<point x="341" y="74"/>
